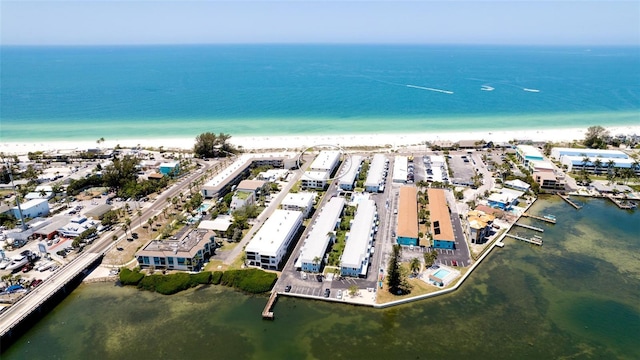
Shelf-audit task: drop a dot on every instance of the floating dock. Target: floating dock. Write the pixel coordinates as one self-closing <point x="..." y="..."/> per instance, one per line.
<point x="536" y="240"/>
<point x="267" y="314"/>
<point x="548" y="218"/>
<point x="530" y="227"/>
<point x="566" y="198"/>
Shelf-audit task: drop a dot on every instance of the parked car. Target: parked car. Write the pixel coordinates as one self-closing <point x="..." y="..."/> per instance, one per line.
<point x="287" y="288"/>
<point x="327" y="292"/>
<point x="339" y="296"/>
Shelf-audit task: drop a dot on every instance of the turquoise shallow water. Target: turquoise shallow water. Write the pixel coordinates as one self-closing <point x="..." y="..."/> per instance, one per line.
<point x="179" y="91"/>
<point x="575" y="297"/>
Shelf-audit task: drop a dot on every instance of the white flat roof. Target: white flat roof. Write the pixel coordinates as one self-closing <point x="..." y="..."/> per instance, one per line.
<point x="605" y="153"/>
<point x="242" y="161"/>
<point x="326" y="160"/>
<point x="315" y="175"/>
<point x="31" y="203"/>
<point x="400" y="169"/>
<point x="528" y="150"/>
<point x="301" y="199"/>
<point x="352" y="164"/>
<point x="315" y="245"/>
<point x="221" y="223"/>
<point x="374" y="176"/>
<point x="274" y="232"/>
<point x="356" y="249"/>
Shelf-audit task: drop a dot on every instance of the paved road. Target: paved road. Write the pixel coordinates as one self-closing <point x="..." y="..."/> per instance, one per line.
<point x="50" y="285"/>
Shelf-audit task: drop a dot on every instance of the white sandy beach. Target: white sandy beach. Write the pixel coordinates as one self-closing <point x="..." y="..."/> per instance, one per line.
<point x="305" y="141"/>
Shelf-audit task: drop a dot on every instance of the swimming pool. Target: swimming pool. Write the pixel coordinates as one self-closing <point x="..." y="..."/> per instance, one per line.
<point x="204" y="207"/>
<point x="441" y="274"/>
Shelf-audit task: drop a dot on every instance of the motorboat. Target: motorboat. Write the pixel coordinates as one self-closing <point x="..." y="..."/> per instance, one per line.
<point x="18" y="262"/>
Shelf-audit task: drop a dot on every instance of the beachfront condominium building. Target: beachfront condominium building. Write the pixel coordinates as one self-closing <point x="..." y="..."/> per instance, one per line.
<point x="595" y="161"/>
<point x="375" y="176"/>
<point x="231" y="175"/>
<point x="187" y="253"/>
<point x="302" y="201"/>
<point x="550" y="181"/>
<point x="359" y="241"/>
<point x="441" y="226"/>
<point x="268" y="247"/>
<point x="407" y="231"/>
<point x="319" y="173"/>
<point x="527" y="153"/>
<point x="350" y="171"/>
<point x="314" y="247"/>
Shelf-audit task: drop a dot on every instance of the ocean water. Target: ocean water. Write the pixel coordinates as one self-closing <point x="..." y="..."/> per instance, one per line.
<point x="576" y="297"/>
<point x="85" y="93"/>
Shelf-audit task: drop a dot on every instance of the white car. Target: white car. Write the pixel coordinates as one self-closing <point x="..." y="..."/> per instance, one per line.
<point x="339" y="296"/>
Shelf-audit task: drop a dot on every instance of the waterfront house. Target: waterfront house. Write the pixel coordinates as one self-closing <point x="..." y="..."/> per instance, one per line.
<point x="407" y="231"/>
<point x="479" y="225"/>
<point x="441" y="226"/>
<point x="504" y="198"/>
<point x="517" y="184"/>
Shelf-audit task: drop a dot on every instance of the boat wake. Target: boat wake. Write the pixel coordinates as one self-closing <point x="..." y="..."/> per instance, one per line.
<point x="430" y="89"/>
<point x="531" y="90"/>
<point x="486" y="88"/>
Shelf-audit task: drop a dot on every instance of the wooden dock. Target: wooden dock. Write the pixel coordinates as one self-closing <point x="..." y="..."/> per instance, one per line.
<point x="530" y="227"/>
<point x="541" y="218"/>
<point x="622" y="204"/>
<point x="267" y="314"/>
<point x="536" y="240"/>
<point x="566" y="198"/>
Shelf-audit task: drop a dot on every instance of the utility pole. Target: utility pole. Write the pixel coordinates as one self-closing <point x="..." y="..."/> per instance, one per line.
<point x="13" y="186"/>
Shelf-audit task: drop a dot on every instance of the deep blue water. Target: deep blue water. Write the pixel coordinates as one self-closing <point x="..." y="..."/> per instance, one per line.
<point x="74" y="91"/>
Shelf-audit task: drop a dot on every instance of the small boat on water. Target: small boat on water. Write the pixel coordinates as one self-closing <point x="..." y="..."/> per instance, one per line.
<point x="550" y="217"/>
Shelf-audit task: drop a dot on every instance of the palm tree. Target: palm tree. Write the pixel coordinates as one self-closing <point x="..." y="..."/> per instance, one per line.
<point x="150" y="222"/>
<point x="316" y="261"/>
<point x="127" y="223"/>
<point x="415" y="265"/>
<point x="597" y="164"/>
<point x="139" y="212"/>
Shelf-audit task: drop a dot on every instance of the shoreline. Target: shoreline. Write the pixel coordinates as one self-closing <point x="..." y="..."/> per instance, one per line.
<point x="257" y="142"/>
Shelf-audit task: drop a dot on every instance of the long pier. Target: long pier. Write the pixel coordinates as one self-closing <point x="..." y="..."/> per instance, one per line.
<point x="530" y="227"/>
<point x="566" y="198"/>
<point x="267" y="313"/>
<point x="534" y="240"/>
<point x="541" y="218"/>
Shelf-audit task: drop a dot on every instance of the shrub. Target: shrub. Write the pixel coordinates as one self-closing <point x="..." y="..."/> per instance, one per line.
<point x="173" y="283"/>
<point x="253" y="281"/>
<point x="128" y="277"/>
<point x="216" y="277"/>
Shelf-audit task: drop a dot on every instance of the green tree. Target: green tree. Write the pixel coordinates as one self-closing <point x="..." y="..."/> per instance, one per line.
<point x="209" y="145"/>
<point x="596" y="137"/>
<point x="394" y="275"/>
<point x="121" y="172"/>
<point x="415" y="265"/>
<point x="430" y="258"/>
<point x="353" y="290"/>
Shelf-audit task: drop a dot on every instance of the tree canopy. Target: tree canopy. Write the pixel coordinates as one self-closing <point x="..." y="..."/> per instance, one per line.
<point x="209" y="145"/>
<point x="596" y="137"/>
